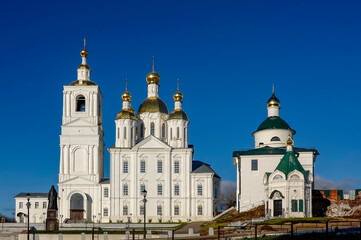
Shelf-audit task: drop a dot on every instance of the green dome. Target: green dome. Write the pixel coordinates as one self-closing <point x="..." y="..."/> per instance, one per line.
<point x="178" y="114"/>
<point x="273" y="122"/>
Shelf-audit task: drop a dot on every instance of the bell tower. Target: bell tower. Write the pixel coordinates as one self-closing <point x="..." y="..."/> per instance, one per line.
<point x="81" y="139"/>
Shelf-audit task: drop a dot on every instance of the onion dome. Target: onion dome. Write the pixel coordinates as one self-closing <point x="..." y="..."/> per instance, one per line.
<point x="273" y="101"/>
<point x="126" y="96"/>
<point x="84" y="52"/>
<point x="153" y="104"/>
<point x="178" y="96"/>
<point x="178" y="114"/>
<point x="153" y="77"/>
<point x="126" y="113"/>
<point x="289" y="141"/>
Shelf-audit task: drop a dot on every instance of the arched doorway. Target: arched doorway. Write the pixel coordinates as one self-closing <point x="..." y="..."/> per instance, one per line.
<point x="76" y="207"/>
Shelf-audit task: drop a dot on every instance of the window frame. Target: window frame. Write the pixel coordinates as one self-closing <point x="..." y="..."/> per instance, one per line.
<point x="254" y="165"/>
<point x="125" y="166"/>
<point x="125" y="213"/>
<point x="159" y="166"/>
<point x="200" y="190"/>
<point x="125" y="190"/>
<point x="177" y="166"/>
<point x="142" y="166"/>
<point x="105" y="212"/>
<point x="176" y="190"/>
<point x="199" y="210"/>
<point x="106" y="192"/>
<point x="176" y="210"/>
<point x="160" y="190"/>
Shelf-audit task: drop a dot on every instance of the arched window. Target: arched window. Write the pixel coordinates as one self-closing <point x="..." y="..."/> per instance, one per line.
<point x="177" y="132"/>
<point x="141" y="130"/>
<point x="125" y="133"/>
<point x="163" y="130"/>
<point x="277" y="177"/>
<point x="152" y="129"/>
<point x="294" y="176"/>
<point x="275" y="139"/>
<point x="80" y="103"/>
<point x="171" y="133"/>
<point x="118" y="134"/>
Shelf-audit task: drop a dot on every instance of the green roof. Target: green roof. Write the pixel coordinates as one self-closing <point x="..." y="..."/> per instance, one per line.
<point x="274" y="122"/>
<point x="289" y="163"/>
<point x="272" y="151"/>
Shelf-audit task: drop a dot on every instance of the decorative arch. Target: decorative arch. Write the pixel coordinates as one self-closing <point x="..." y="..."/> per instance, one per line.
<point x="276" y="194"/>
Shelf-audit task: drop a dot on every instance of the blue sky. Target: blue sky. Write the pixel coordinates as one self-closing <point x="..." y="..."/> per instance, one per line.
<point x="227" y="55"/>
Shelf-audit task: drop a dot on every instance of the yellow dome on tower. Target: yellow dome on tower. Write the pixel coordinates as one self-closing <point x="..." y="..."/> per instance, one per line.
<point x="289" y="141"/>
<point x="153" y="77"/>
<point x="178" y="96"/>
<point x="126" y="96"/>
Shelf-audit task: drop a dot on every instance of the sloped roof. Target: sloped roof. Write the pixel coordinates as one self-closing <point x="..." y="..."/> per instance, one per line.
<point x="32" y="195"/>
<point x="201" y="167"/>
<point x="289" y="163"/>
<point x="267" y="150"/>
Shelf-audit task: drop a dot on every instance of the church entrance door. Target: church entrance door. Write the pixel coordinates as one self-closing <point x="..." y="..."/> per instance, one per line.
<point x="76" y="214"/>
<point x="76" y="207"/>
<point x="277" y="208"/>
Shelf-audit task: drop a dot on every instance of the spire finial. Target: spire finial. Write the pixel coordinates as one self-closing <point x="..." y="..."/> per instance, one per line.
<point x="126" y="84"/>
<point x="177" y="84"/>
<point x="153" y="64"/>
<point x="273" y="88"/>
<point x="84" y="43"/>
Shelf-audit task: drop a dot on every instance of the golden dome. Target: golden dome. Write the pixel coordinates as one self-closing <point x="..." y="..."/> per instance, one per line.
<point x="153" y="104"/>
<point x="126" y="96"/>
<point x="289" y="141"/>
<point x="273" y="102"/>
<point x="153" y="77"/>
<point x="178" y="114"/>
<point x="84" y="53"/>
<point x="127" y="113"/>
<point x="178" y="96"/>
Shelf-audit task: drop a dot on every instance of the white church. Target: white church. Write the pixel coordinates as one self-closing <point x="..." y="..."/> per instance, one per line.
<point x="275" y="173"/>
<point x="151" y="155"/>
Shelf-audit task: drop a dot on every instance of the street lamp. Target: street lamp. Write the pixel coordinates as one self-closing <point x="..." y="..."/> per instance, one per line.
<point x="28" y="206"/>
<point x="144" y="193"/>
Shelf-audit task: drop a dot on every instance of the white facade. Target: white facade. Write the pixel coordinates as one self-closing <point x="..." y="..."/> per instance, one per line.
<point x="37" y="211"/>
<point x="270" y="147"/>
<point x="150" y="152"/>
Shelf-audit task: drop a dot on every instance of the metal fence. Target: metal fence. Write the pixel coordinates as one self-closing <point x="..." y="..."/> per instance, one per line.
<point x="290" y="228"/>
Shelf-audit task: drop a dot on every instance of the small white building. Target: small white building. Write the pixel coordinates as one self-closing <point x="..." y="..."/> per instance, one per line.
<point x="288" y="188"/>
<point x="38" y="207"/>
<point x="269" y="148"/>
